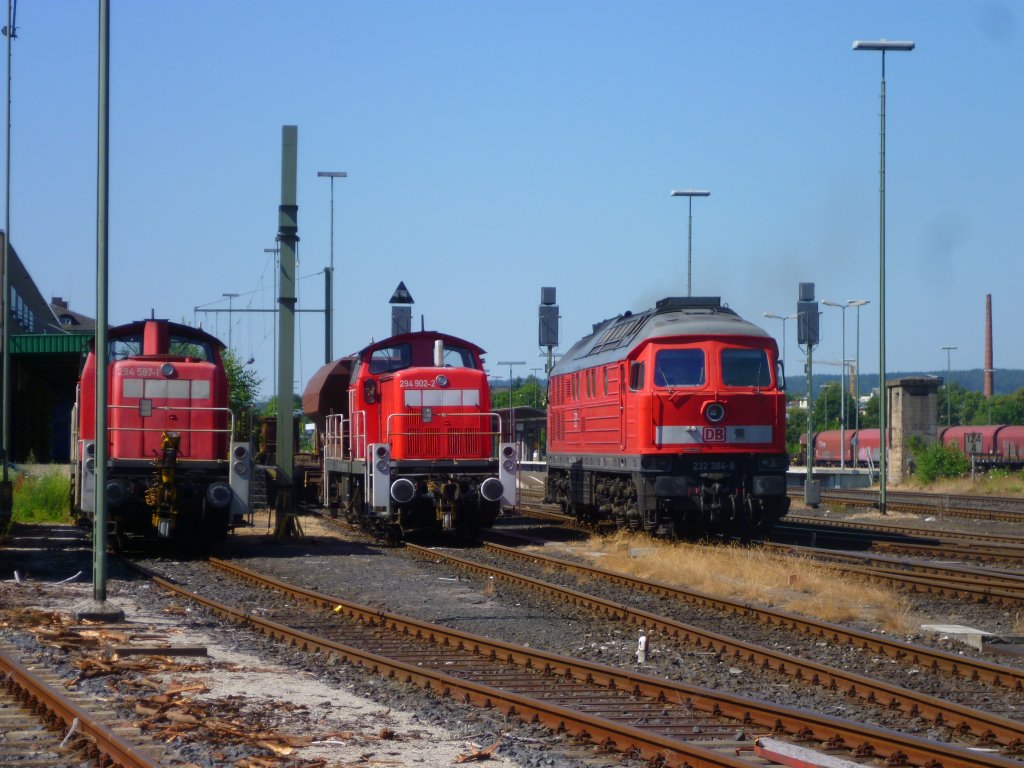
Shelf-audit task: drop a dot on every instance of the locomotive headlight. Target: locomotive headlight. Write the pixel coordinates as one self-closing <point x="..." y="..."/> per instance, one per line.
<point x="167" y="370"/>
<point x="403" y="490"/>
<point x="442" y="380"/>
<point x="714" y="412"/>
<point x="491" y="489"/>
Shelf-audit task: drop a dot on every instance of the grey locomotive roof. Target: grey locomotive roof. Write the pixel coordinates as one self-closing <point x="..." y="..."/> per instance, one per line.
<point x="614" y="338"/>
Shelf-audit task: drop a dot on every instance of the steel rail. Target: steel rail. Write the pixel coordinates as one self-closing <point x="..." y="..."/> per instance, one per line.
<point x="934" y="579"/>
<point x="986" y="727"/>
<point x="912" y="654"/>
<point x="109" y="749"/>
<point x="978" y="549"/>
<point x="903" y="531"/>
<point x="972" y="507"/>
<point x="1010" y="582"/>
<point x="834" y="733"/>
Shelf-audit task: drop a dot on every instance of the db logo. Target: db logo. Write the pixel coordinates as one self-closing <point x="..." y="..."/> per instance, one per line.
<point x="714" y="434"/>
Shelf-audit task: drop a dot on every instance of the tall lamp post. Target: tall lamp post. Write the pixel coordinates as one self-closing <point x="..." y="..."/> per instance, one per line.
<point x="690" y="194"/>
<point x="783" y="318"/>
<point x="842" y="382"/>
<point x="949" y="374"/>
<point x="858" y="303"/>
<point x="329" y="282"/>
<point x="883" y="46"/>
<point x="231" y="297"/>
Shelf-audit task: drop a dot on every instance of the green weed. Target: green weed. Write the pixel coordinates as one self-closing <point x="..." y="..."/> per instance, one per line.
<point x="41" y="498"/>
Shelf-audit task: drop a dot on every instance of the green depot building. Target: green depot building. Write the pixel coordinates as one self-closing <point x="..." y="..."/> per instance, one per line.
<point x="47" y="347"/>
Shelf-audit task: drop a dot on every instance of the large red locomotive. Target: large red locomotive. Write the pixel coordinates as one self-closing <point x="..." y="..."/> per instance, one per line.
<point x="172" y="469"/>
<point x="408" y="438"/>
<point x="671" y="421"/>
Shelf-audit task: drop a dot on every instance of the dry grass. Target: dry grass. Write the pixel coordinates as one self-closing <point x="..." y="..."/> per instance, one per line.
<point x="993" y="484"/>
<point x="794" y="584"/>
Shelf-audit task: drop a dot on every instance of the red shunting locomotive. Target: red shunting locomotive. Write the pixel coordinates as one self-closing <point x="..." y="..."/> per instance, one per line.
<point x="671" y="421"/>
<point x="407" y="437"/>
<point x="172" y="469"/>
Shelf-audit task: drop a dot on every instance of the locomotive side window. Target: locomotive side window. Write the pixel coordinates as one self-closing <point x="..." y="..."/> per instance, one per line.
<point x="388" y="359"/>
<point x="679" y="368"/>
<point x="636" y="376"/>
<point x="780" y="374"/>
<point x="458" y="357"/>
<point x="746" y="368"/>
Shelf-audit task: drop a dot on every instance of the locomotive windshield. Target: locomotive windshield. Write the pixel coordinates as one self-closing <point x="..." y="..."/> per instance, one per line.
<point x="399" y="356"/>
<point x="679" y="368"/>
<point x="746" y="368"/>
<point x="130" y="345"/>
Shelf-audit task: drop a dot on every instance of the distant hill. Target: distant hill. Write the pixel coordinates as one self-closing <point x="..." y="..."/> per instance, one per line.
<point x="1007" y="381"/>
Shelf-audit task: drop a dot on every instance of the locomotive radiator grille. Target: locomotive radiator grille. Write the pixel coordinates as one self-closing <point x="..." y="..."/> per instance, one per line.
<point x="435" y="443"/>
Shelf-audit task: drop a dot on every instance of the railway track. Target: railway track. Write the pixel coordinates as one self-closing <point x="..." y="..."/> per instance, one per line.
<point x="983" y="726"/>
<point x="665" y="722"/>
<point x="42" y="725"/>
<point x="956" y="582"/>
<point x="1003" y="508"/>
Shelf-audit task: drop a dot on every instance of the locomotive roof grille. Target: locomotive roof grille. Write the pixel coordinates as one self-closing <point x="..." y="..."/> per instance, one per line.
<point x="623" y="329"/>
<point x="672" y="316"/>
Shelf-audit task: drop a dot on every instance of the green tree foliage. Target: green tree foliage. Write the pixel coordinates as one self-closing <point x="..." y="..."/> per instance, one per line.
<point x="529" y="391"/>
<point x="243" y="389"/>
<point x="828" y="408"/>
<point x="937" y="460"/>
<point x="796" y="427"/>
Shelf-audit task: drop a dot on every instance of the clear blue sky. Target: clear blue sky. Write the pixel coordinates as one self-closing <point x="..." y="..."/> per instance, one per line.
<point x="497" y="147"/>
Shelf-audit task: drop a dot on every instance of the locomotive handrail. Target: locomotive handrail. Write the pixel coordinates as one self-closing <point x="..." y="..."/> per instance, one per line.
<point x="229" y="430"/>
<point x="334" y="436"/>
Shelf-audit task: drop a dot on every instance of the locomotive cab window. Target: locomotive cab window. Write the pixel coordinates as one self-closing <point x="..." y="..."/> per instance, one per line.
<point x="746" y="368"/>
<point x="780" y="374"/>
<point x="679" y="368"/>
<point x="636" y="376"/>
<point x="459" y="357"/>
<point x="387" y="359"/>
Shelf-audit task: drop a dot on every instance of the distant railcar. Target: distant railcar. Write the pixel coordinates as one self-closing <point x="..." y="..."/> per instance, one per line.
<point x="408" y="439"/>
<point x="671" y="421"/>
<point x="172" y="471"/>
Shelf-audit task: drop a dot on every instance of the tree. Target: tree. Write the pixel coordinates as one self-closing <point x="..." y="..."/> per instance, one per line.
<point x="243" y="388"/>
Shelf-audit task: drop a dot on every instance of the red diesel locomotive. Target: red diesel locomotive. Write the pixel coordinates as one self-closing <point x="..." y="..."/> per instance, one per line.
<point x="671" y="421"/>
<point x="408" y="438"/>
<point x="172" y="469"/>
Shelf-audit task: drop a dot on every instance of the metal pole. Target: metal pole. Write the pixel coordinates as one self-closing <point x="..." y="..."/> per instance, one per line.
<point x="231" y="297"/>
<point x="288" y="215"/>
<point x="842" y="398"/>
<point x="949" y="375"/>
<point x="689" y="251"/>
<point x="99" y="532"/>
<point x="689" y="194"/>
<point x="10" y="32"/>
<point x="882" y="46"/>
<point x="329" y="275"/>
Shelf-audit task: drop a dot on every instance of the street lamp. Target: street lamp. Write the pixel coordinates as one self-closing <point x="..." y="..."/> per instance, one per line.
<point x="329" y="282"/>
<point x="858" y="303"/>
<point x="783" y="318"/>
<point x="230" y="296"/>
<point x="842" y="380"/>
<point x="949" y="373"/>
<point x="883" y="46"/>
<point x="690" y="194"/>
